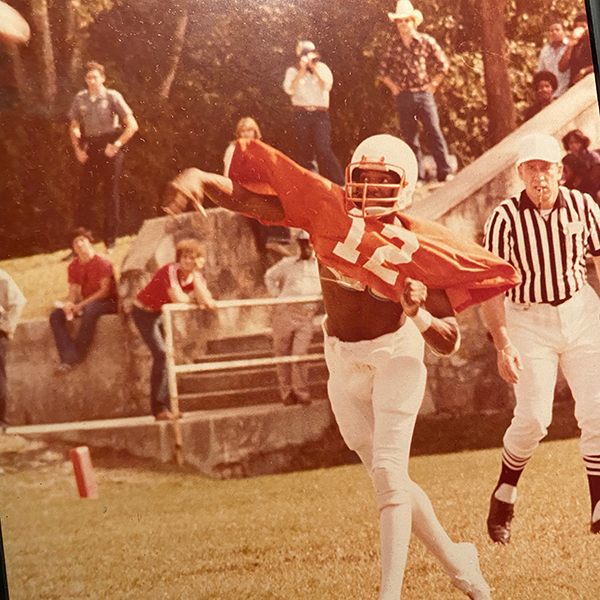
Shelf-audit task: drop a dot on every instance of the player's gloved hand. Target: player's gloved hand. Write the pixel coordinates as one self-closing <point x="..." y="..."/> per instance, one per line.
<point x="413" y="296"/>
<point x="186" y="187"/>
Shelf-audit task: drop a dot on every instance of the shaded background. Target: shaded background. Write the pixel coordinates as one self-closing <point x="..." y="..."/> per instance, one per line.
<point x="191" y="68"/>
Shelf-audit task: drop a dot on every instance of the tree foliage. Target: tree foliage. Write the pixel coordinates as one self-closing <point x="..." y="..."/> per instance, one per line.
<point x="191" y="68"/>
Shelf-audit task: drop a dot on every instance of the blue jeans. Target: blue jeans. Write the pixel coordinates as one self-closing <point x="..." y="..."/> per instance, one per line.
<point x="421" y="106"/>
<point x="313" y="137"/>
<point x="73" y="350"/>
<point x="149" y="325"/>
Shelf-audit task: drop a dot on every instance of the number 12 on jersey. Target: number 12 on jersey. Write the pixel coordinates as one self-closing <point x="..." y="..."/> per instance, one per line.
<point x="386" y="253"/>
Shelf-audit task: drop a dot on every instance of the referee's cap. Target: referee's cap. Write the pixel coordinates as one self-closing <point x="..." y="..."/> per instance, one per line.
<point x="539" y="146"/>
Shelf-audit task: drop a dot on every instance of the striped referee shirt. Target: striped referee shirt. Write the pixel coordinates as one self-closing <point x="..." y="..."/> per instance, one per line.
<point x="549" y="253"/>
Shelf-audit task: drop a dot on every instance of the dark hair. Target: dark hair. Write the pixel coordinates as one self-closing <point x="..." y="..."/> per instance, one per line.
<point x="94" y="66"/>
<point x="555" y="18"/>
<point x="579" y="136"/>
<point x="82" y="231"/>
<point x="581" y="17"/>
<point x="545" y="76"/>
<point x="189" y="246"/>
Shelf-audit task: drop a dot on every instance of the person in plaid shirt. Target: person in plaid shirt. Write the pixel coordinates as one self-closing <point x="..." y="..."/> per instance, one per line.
<point x="412" y="68"/>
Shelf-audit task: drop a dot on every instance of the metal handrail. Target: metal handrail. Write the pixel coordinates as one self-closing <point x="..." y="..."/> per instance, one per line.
<point x="173" y="369"/>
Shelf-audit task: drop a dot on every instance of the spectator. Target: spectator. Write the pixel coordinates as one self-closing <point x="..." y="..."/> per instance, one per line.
<point x="308" y="85"/>
<point x="544" y="84"/>
<point x="578" y="55"/>
<point x="576" y="177"/>
<point x="549" y="319"/>
<point x="272" y="237"/>
<point x="246" y="128"/>
<point x="180" y="281"/>
<point x="575" y="142"/>
<point x="97" y="116"/>
<point x="412" y="68"/>
<point x="12" y="302"/>
<point x="551" y="54"/>
<point x="92" y="293"/>
<point x="293" y="323"/>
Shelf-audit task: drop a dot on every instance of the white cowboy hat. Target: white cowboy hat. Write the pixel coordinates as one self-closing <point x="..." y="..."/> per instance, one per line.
<point x="404" y="9"/>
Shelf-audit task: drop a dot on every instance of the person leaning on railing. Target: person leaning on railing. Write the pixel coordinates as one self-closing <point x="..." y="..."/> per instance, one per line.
<point x="181" y="281"/>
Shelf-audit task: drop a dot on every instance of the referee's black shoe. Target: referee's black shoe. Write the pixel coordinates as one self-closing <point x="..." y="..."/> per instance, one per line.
<point x="499" y="520"/>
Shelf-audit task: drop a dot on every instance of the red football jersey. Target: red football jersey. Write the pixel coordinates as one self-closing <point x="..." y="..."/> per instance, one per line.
<point x="377" y="253"/>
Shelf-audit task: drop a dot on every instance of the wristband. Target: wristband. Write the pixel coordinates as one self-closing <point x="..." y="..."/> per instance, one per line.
<point x="422" y="320"/>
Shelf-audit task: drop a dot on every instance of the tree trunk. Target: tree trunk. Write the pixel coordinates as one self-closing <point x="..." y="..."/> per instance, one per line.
<point x="41" y="21"/>
<point x="76" y="39"/>
<point x="501" y="108"/>
<point x="175" y="56"/>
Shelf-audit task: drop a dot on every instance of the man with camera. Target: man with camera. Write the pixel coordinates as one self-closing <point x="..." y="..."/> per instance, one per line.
<point x="308" y="85"/>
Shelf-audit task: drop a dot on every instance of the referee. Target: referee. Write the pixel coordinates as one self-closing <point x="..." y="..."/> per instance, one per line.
<point x="551" y="318"/>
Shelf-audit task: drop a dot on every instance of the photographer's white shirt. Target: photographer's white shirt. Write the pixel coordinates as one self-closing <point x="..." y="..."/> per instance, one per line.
<point x="309" y="92"/>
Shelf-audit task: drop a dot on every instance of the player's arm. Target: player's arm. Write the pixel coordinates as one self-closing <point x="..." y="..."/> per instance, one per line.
<point x="432" y="313"/>
<point x="509" y="360"/>
<point x="194" y="185"/>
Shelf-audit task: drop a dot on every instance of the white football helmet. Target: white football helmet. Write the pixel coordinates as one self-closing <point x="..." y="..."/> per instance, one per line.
<point x="387" y="154"/>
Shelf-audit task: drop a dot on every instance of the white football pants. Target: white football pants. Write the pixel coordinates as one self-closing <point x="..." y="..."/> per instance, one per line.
<point x="376" y="388"/>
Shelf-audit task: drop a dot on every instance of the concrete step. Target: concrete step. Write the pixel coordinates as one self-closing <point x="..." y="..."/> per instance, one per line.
<point x="258" y="342"/>
<point x="240" y="353"/>
<point x="238" y="381"/>
<point x="245" y="397"/>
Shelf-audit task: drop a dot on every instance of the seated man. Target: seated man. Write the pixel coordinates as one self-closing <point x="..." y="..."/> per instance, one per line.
<point x="92" y="293"/>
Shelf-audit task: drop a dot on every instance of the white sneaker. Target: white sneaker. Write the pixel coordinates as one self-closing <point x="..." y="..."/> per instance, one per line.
<point x="468" y="577"/>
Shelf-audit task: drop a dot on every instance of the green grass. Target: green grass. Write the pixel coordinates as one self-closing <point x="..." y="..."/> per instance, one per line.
<point x="166" y="534"/>
<point x="43" y="277"/>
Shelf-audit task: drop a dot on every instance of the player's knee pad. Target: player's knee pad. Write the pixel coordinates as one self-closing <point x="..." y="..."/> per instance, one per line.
<point x="392" y="485"/>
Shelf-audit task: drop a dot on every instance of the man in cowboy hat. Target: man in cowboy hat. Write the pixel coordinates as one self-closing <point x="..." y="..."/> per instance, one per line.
<point x="413" y="67"/>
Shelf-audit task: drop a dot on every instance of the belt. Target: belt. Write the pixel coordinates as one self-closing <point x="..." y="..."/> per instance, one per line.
<point x="311" y="108"/>
<point x="558" y="302"/>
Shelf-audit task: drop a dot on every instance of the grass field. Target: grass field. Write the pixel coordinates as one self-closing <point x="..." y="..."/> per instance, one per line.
<point x="167" y="534"/>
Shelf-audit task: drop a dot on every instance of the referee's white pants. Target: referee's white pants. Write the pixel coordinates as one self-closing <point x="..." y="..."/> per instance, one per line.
<point x="376" y="388"/>
<point x="545" y="337"/>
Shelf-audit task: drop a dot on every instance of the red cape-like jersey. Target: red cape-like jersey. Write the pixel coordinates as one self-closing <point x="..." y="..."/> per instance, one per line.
<point x="378" y="254"/>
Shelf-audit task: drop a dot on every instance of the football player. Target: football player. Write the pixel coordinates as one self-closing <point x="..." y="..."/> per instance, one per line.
<point x="376" y="267"/>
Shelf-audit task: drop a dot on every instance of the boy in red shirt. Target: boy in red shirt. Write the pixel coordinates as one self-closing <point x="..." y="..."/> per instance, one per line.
<point x="180" y="281"/>
<point x="92" y="293"/>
